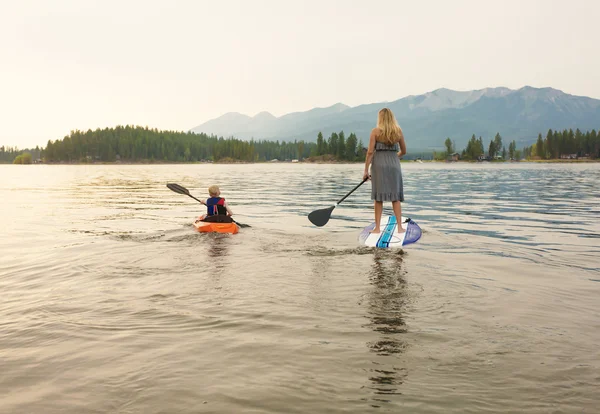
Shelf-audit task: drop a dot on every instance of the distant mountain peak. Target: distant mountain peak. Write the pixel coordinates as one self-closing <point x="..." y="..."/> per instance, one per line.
<point x="264" y="115"/>
<point x="546" y="92"/>
<point x="337" y="107"/>
<point x="441" y="91"/>
<point x="232" y="114"/>
<point x="340" y="106"/>
<point x="499" y="90"/>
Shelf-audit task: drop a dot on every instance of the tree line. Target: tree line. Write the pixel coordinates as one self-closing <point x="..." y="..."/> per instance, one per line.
<point x="475" y="149"/>
<point x="142" y="144"/>
<point x="565" y="144"/>
<point x="337" y="145"/>
<point x="557" y="144"/>
<point x="17" y="156"/>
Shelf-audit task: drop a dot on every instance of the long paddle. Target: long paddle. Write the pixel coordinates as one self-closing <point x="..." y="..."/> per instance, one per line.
<point x="320" y="217"/>
<point x="182" y="190"/>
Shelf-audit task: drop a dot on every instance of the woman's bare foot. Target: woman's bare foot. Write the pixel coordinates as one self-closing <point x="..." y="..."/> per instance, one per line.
<point x="401" y="229"/>
<point x="375" y="231"/>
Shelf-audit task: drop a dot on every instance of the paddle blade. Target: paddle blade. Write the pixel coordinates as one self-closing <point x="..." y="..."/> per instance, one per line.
<point x="178" y="189"/>
<point x="320" y="217"/>
<point x="413" y="232"/>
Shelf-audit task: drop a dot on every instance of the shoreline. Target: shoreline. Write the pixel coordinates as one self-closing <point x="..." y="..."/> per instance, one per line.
<point x="559" y="161"/>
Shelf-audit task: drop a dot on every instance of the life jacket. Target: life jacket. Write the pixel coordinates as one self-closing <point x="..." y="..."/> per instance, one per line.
<point x="215" y="206"/>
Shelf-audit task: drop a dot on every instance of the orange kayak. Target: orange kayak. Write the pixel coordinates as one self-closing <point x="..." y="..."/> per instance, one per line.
<point x="213" y="227"/>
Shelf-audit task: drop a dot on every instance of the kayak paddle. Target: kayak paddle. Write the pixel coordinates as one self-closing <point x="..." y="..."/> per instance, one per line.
<point x="182" y="190"/>
<point x="320" y="217"/>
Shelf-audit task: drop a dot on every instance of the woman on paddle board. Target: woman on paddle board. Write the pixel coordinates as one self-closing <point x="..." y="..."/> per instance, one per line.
<point x="386" y="144"/>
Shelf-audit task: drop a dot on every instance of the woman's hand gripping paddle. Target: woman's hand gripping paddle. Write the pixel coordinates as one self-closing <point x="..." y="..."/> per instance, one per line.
<point x="320" y="217"/>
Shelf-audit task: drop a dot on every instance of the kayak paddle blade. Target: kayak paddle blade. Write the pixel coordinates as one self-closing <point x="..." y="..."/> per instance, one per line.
<point x="178" y="189"/>
<point x="320" y="217"/>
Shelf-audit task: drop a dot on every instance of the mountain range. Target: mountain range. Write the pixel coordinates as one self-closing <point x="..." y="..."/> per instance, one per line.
<point x="428" y="119"/>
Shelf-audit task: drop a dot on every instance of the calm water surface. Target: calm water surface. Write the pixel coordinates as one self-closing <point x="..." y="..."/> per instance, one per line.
<point x="111" y="303"/>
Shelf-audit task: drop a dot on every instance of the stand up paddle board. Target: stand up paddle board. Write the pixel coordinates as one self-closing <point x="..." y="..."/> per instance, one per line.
<point x="389" y="236"/>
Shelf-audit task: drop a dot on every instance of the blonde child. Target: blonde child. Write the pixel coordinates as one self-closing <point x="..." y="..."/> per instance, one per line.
<point x="215" y="205"/>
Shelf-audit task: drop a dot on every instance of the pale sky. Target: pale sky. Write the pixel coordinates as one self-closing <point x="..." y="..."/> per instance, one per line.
<point x="173" y="64"/>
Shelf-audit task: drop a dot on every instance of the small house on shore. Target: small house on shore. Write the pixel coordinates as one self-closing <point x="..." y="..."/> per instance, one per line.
<point x="453" y="157"/>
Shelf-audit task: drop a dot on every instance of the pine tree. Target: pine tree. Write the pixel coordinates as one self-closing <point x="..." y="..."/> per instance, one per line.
<point x="341" y="147"/>
<point x="578" y="144"/>
<point x="360" y="150"/>
<point x="539" y="146"/>
<point x="480" y="148"/>
<point x="450" y="146"/>
<point x="320" y="144"/>
<point x="497" y="143"/>
<point x="351" y="147"/>
<point x="512" y="147"/>
<point x="300" y="146"/>
<point x="594" y="144"/>
<point x="548" y="142"/>
<point x="492" y="149"/>
<point x="333" y="144"/>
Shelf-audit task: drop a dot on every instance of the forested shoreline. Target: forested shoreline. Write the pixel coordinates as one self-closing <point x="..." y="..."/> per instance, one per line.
<point x="566" y="144"/>
<point x="135" y="144"/>
<point x="129" y="144"/>
<point x="8" y="155"/>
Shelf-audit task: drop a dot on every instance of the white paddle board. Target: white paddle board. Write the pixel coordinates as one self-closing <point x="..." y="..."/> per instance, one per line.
<point x="389" y="236"/>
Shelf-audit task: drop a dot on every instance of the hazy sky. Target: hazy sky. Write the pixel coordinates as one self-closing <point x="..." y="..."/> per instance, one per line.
<point x="170" y="64"/>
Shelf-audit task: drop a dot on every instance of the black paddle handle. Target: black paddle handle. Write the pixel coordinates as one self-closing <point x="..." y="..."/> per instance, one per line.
<point x="200" y="201"/>
<point x="353" y="190"/>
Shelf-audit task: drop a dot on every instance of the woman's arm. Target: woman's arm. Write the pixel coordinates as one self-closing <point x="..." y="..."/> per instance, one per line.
<point x="402" y="144"/>
<point x="370" y="152"/>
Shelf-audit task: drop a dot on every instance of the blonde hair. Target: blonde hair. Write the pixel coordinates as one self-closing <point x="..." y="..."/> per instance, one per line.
<point x="390" y="130"/>
<point x="214" y="191"/>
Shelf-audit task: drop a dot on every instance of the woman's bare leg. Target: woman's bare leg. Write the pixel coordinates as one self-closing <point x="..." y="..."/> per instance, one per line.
<point x="398" y="213"/>
<point x="378" y="211"/>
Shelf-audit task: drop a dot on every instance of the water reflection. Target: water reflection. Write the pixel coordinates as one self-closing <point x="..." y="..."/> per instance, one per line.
<point x="217" y="248"/>
<point x="386" y="302"/>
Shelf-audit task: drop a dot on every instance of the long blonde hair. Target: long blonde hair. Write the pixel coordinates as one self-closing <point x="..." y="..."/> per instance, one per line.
<point x="390" y="130"/>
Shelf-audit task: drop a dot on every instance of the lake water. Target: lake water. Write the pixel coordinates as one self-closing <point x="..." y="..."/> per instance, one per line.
<point x="111" y="303"/>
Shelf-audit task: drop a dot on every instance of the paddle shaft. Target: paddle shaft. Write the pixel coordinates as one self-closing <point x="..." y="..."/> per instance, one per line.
<point x="200" y="201"/>
<point x="353" y="190"/>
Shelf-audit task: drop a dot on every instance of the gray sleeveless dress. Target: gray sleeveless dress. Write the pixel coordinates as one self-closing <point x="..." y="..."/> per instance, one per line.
<point x="386" y="175"/>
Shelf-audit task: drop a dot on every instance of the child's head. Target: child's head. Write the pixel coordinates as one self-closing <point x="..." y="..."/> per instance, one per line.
<point x="214" y="191"/>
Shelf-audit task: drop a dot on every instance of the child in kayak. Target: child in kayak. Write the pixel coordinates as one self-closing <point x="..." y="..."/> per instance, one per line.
<point x="217" y="209"/>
